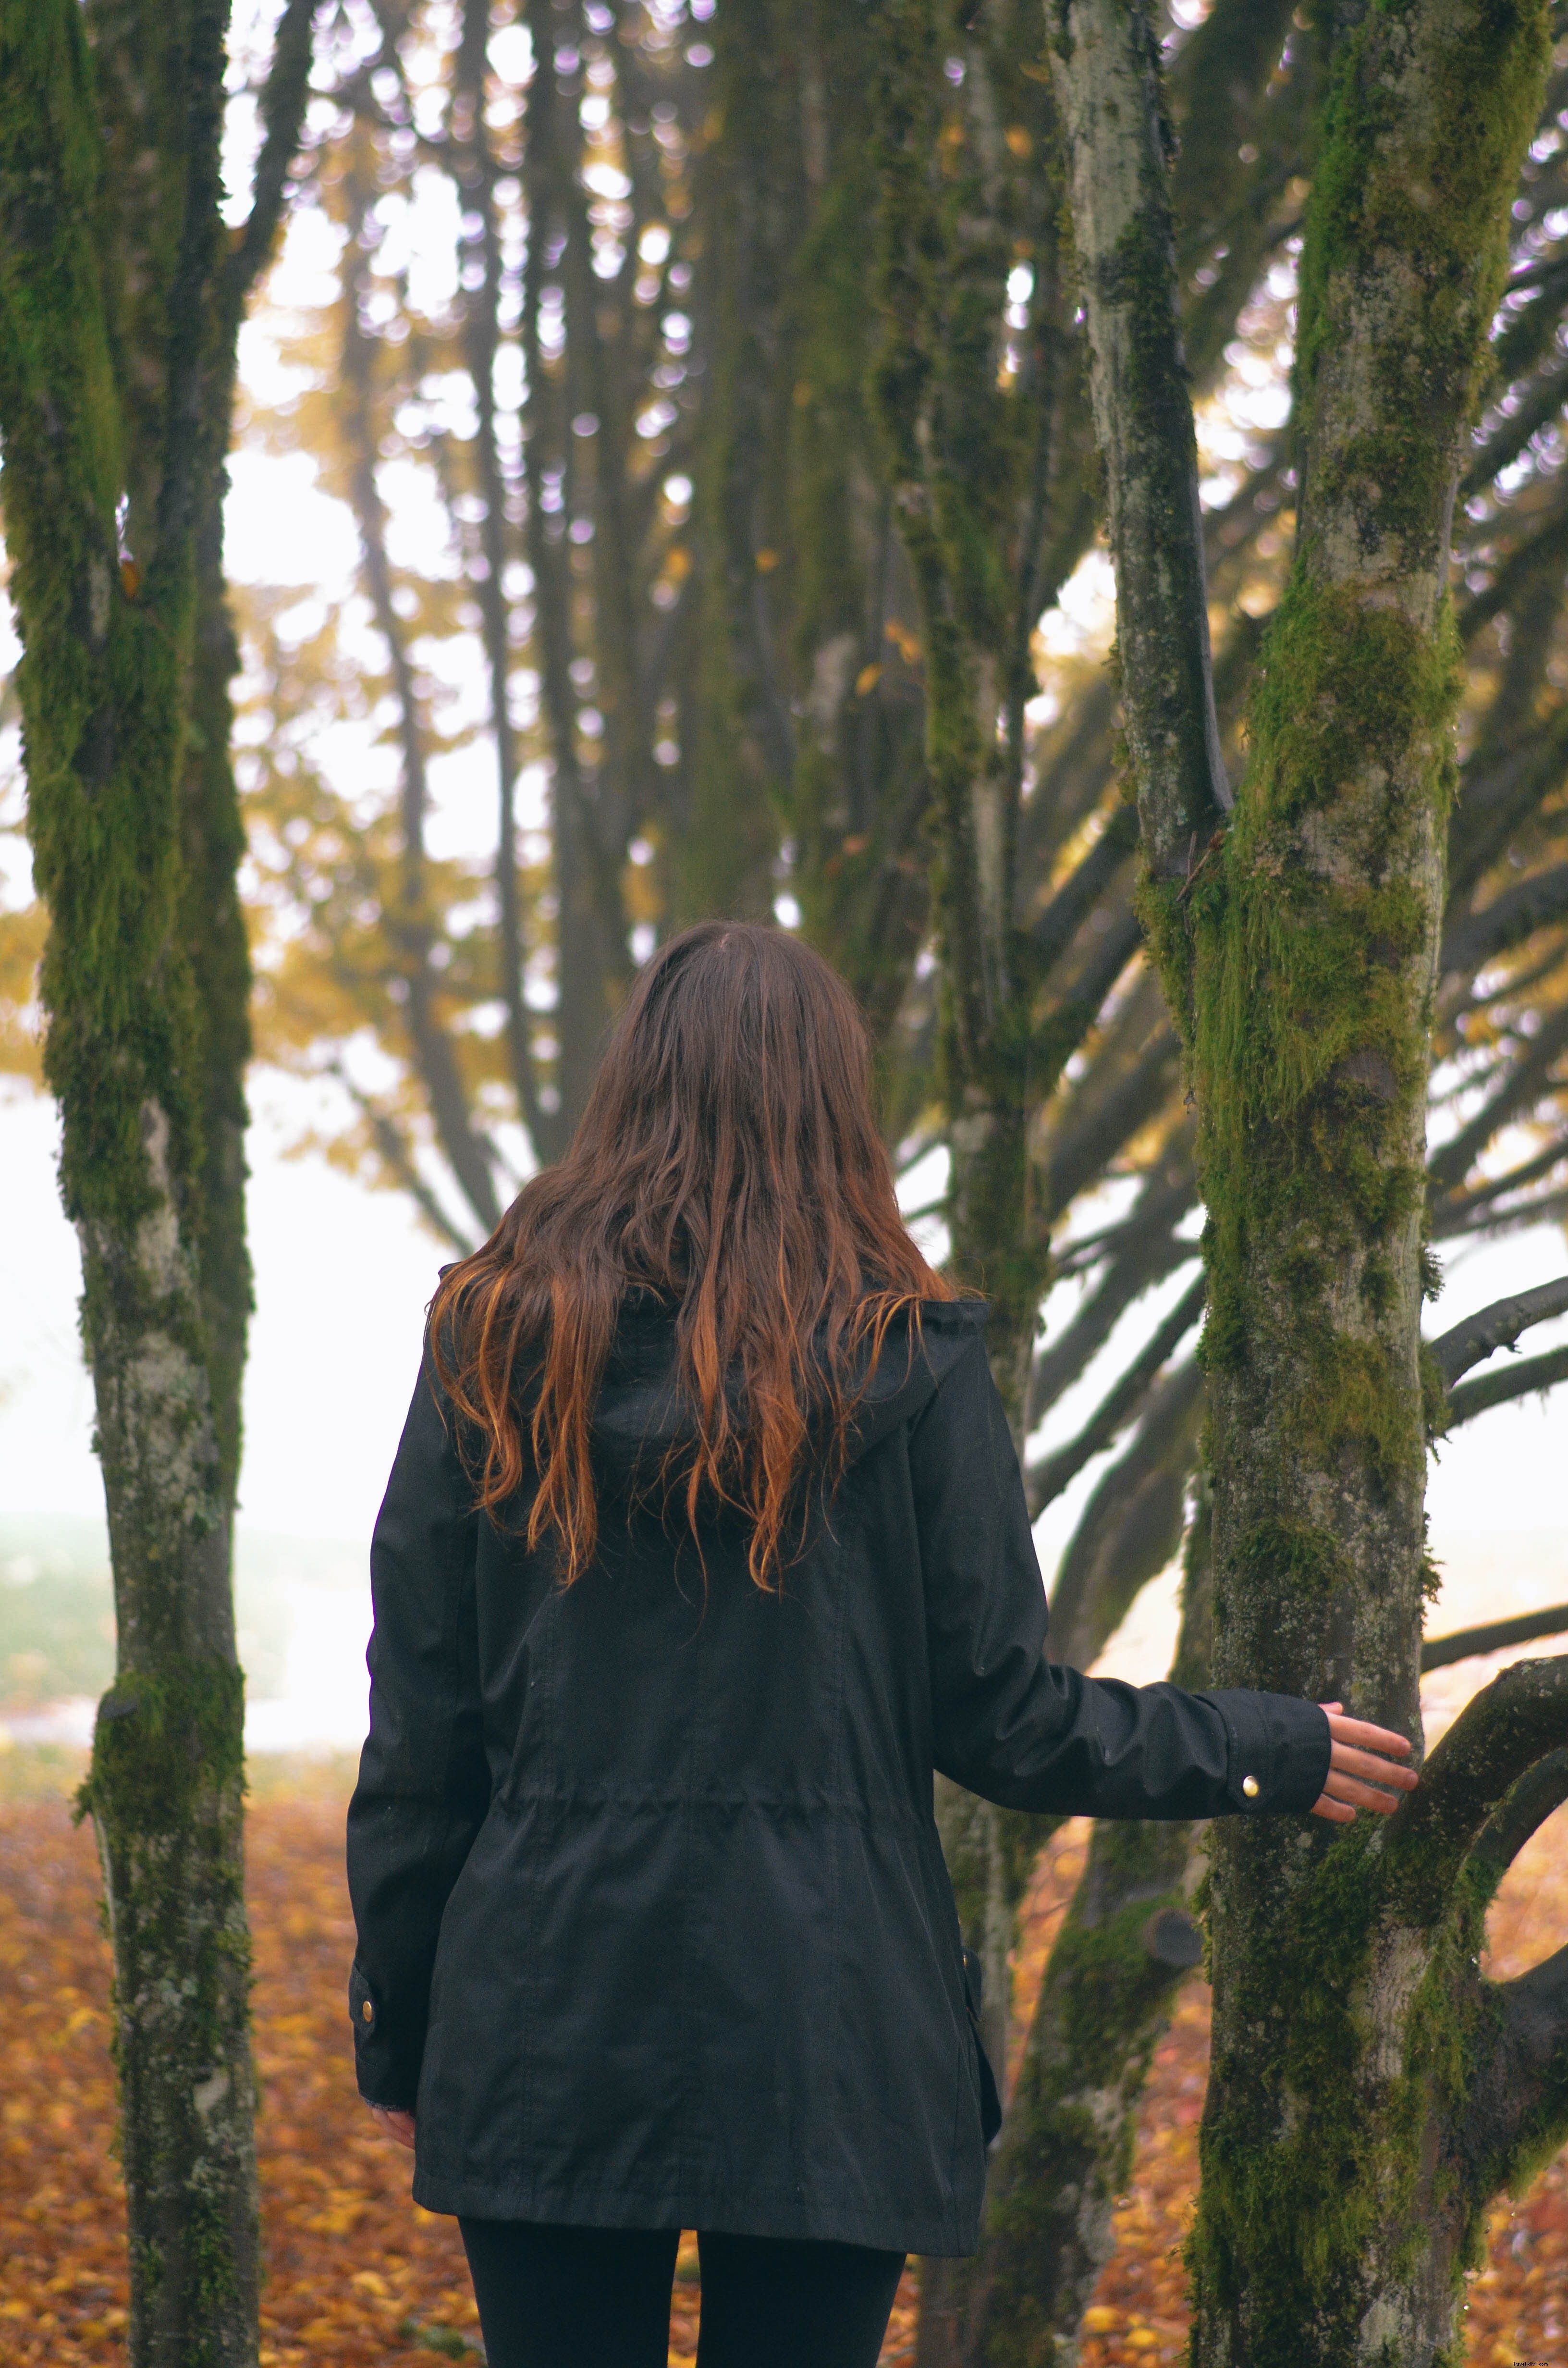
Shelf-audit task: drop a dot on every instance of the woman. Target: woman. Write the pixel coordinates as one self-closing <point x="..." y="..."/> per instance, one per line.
<point x="704" y="1545"/>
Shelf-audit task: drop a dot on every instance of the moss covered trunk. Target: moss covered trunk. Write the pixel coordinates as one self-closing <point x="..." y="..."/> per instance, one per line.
<point x="1369" y="2092"/>
<point x="1340" y="2187"/>
<point x="119" y="306"/>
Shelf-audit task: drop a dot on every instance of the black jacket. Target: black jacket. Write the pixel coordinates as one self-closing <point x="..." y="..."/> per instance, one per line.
<point x="654" y="1925"/>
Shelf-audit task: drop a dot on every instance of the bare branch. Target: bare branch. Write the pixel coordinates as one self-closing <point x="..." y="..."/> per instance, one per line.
<point x="1506" y="922"/>
<point x="396" y="1155"/>
<point x="283" y="112"/>
<point x="1132" y="1524"/>
<point x="1525" y="1083"/>
<point x="481" y="342"/>
<point x="1501" y="1389"/>
<point x="1441" y="1651"/>
<point x="1082" y="1153"/>
<point x="1053" y="929"/>
<point x="1053" y="1472"/>
<point x="1517" y="2107"/>
<point x="1464" y="1213"/>
<point x="1147" y="1249"/>
<point x="1497" y="1326"/>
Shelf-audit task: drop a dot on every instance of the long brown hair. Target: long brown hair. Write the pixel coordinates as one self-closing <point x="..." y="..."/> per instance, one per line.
<point x="728" y="1161"/>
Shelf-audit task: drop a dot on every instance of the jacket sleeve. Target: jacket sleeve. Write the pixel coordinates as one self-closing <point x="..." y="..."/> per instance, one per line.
<point x="423" y="1785"/>
<point x="1030" y="1734"/>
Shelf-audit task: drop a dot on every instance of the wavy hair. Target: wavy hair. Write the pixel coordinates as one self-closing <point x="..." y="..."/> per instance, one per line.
<point x="728" y="1160"/>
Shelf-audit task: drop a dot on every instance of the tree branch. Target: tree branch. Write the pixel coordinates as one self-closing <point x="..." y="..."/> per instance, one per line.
<point x="1082" y="1153"/>
<point x="1538" y="1795"/>
<point x="1441" y="1651"/>
<point x="1053" y="1472"/>
<point x="1501" y="1389"/>
<point x="1512" y="1723"/>
<point x="189" y="437"/>
<point x="1147" y="1249"/>
<point x="1107" y="76"/>
<point x="1497" y="1326"/>
<point x="283" y="112"/>
<point x="1464" y="1213"/>
<point x="1132" y="1524"/>
<point x="480" y="336"/>
<point x="1468" y="945"/>
<point x="1053" y="929"/>
<point x="1524" y="1084"/>
<point x="395" y="1153"/>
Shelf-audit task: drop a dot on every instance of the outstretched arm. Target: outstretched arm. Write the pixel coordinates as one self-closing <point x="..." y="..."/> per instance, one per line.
<point x="1030" y="1734"/>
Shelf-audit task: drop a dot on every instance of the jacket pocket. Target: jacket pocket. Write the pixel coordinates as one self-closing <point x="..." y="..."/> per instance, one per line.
<point x="973" y="1996"/>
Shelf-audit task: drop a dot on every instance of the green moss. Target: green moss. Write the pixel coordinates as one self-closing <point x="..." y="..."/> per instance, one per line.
<point x="105" y="308"/>
<point x="1438" y="208"/>
<point x="165" y="1792"/>
<point x="1297" y="1557"/>
<point x="1067" y="2145"/>
<point x="1295" y="2216"/>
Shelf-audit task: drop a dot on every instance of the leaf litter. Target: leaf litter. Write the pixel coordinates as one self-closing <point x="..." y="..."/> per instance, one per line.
<point x="358" y="2276"/>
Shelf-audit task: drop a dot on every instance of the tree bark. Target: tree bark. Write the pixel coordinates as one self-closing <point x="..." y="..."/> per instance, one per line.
<point x="1313" y="943"/>
<point x="1117" y="145"/>
<point x="1299" y="953"/>
<point x="117" y="314"/>
<point x="1126" y="1946"/>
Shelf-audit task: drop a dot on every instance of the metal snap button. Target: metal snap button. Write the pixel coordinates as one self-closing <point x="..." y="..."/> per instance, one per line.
<point x="368" y="2010"/>
<point x="1249" y="1786"/>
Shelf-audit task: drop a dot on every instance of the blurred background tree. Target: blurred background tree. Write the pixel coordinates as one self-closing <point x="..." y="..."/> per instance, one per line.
<point x="706" y="389"/>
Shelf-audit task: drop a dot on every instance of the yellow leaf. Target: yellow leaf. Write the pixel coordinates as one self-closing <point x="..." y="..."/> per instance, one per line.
<point x="867" y="679"/>
<point x="766" y="561"/>
<point x="1019" y="141"/>
<point x="1100" y="2320"/>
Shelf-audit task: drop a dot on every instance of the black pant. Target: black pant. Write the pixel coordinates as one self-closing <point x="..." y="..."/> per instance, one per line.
<point x="554" y="2297"/>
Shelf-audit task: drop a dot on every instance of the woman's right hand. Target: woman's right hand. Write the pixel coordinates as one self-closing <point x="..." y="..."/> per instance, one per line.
<point x="1363" y="1773"/>
<point x="396" y="2125"/>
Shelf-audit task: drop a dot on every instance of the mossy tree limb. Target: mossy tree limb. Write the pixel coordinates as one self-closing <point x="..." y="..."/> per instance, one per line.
<point x="115" y="374"/>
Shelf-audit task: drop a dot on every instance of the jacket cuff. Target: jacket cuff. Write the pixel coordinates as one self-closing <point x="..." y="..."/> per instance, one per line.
<point x="388" y="2074"/>
<point x="1279" y="1751"/>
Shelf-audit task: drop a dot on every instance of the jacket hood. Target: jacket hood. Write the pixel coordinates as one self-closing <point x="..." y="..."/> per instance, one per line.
<point x="641" y="1415"/>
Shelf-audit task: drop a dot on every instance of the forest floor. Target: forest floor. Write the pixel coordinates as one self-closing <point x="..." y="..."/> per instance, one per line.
<point x="360" y="2277"/>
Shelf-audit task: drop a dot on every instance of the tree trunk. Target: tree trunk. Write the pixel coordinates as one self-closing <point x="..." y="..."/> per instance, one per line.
<point x="115" y="369"/>
<point x="1367" y="2092"/>
<point x="1346" y="2160"/>
<point x="1111" y="1984"/>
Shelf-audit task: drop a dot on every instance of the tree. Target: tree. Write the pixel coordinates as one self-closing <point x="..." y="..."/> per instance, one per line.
<point x="1369" y="2091"/>
<point x="818" y="339"/>
<point x="120" y="305"/>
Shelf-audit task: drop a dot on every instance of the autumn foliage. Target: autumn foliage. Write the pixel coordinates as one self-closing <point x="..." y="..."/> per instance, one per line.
<point x="358" y="2276"/>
